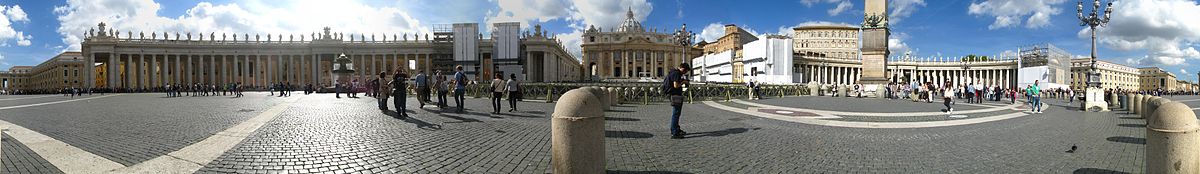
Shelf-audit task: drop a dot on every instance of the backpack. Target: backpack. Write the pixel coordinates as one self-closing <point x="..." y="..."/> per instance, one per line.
<point x="666" y="87"/>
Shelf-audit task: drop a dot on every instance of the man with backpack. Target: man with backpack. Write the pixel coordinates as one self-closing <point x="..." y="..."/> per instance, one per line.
<point x="673" y="86"/>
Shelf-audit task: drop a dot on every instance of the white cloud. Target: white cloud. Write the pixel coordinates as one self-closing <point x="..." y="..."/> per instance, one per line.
<point x="23" y="39"/>
<point x="530" y="11"/>
<point x="1165" y="29"/>
<point x="1184" y="71"/>
<point x="787" y="30"/>
<point x="15" y="13"/>
<point x="897" y="45"/>
<point x="292" y="17"/>
<point x="902" y="9"/>
<point x="1149" y="60"/>
<point x="712" y="32"/>
<point x="841" y="7"/>
<point x="8" y="16"/>
<point x="579" y="14"/>
<point x="1010" y="12"/>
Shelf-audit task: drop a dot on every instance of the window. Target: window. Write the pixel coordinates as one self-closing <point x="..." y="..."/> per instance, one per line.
<point x="616" y="72"/>
<point x="617" y="57"/>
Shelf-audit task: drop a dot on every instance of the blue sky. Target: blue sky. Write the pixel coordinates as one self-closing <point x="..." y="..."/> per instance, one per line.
<point x="1142" y="33"/>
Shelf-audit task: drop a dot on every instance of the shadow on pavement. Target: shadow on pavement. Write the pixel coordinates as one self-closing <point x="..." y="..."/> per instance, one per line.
<point x="719" y="133"/>
<point x="643" y="172"/>
<point x="518" y="115"/>
<point x="420" y="124"/>
<point x="627" y="134"/>
<point x="1095" y="170"/>
<point x="614" y="110"/>
<point x="1132" y="125"/>
<point x="620" y="119"/>
<point x="460" y="119"/>
<point x="1124" y="139"/>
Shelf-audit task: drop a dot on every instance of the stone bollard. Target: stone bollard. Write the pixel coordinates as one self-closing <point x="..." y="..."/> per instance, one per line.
<point x="823" y="90"/>
<point x="841" y="91"/>
<point x="577" y="134"/>
<point x="612" y="96"/>
<point x="1152" y="104"/>
<point x="1135" y="104"/>
<point x="1125" y="101"/>
<point x="599" y="93"/>
<point x="1142" y="106"/>
<point x="1172" y="140"/>
<point x="814" y="89"/>
<point x="1112" y="98"/>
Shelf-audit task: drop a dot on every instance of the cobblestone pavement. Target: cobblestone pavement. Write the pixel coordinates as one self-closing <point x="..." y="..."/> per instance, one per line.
<point x="19" y="159"/>
<point x="322" y="134"/>
<point x="132" y="128"/>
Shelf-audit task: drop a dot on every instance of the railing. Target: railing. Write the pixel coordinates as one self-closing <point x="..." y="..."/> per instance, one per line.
<point x="647" y="93"/>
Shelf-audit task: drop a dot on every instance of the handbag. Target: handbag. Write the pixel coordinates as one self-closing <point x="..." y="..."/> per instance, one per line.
<point x="676" y="100"/>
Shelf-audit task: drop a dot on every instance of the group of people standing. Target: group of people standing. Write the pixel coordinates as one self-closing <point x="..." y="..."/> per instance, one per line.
<point x="180" y="90"/>
<point x="396" y="86"/>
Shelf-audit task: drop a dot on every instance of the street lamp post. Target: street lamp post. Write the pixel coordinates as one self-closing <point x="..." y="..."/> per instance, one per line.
<point x="1095" y="94"/>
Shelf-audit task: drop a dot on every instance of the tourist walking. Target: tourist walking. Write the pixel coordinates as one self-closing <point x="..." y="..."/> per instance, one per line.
<point x="460" y="87"/>
<point x="399" y="84"/>
<point x="497" y="92"/>
<point x="353" y="88"/>
<point x="948" y="97"/>
<point x="422" y="85"/>
<point x="1035" y="100"/>
<point x="384" y="89"/>
<point x="514" y="92"/>
<point x="441" y="89"/>
<point x="979" y="92"/>
<point x="337" y="90"/>
<point x="673" y="86"/>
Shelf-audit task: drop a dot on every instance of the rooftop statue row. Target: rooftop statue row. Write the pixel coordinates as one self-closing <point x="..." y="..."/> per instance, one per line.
<point x="212" y="36"/>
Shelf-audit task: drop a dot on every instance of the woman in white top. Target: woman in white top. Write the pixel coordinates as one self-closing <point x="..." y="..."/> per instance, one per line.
<point x="948" y="96"/>
<point x="514" y="91"/>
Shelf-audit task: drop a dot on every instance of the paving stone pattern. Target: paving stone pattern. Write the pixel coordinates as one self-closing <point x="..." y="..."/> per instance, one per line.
<point x="19" y="159"/>
<point x="133" y="128"/>
<point x="322" y="134"/>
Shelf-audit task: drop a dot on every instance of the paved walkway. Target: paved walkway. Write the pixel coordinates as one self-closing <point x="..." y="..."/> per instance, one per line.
<point x="317" y="133"/>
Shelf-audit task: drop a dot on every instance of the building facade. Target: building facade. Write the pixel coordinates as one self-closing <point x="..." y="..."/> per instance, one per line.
<point x="1046" y="64"/>
<point x="829" y="54"/>
<point x="826" y="41"/>
<point x="1154" y="78"/>
<point x="1112" y="75"/>
<point x="15" y="79"/>
<point x="631" y="52"/>
<point x="767" y="61"/>
<point x="153" y="60"/>
<point x="732" y="41"/>
<point x="65" y="70"/>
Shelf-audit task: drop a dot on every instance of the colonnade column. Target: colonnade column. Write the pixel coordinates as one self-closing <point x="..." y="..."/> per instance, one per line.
<point x="110" y="69"/>
<point x="313" y="67"/>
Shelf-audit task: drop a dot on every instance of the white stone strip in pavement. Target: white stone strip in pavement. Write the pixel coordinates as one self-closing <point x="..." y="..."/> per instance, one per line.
<point x="193" y="157"/>
<point x="67" y="158"/>
<point x="1188" y="100"/>
<point x="882" y="114"/>
<point x="55" y="102"/>
<point x="851" y="124"/>
<point x="27" y="97"/>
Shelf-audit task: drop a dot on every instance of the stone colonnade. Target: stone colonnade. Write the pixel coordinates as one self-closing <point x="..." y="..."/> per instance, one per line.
<point x="150" y="70"/>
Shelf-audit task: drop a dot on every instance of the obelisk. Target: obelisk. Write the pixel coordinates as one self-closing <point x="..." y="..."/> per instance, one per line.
<point x="874" y="43"/>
